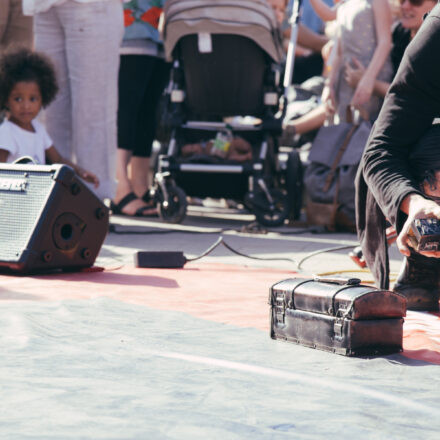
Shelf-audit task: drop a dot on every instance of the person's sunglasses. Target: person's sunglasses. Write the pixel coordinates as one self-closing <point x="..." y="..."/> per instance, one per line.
<point x="413" y="2"/>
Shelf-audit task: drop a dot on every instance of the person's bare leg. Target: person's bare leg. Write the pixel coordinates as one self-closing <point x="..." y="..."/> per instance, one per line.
<point x="122" y="160"/>
<point x="124" y="186"/>
<point x="140" y="175"/>
<point x="308" y="122"/>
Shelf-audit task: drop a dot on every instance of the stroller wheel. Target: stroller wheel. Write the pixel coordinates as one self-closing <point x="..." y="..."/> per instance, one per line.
<point x="268" y="214"/>
<point x="173" y="210"/>
<point x="294" y="184"/>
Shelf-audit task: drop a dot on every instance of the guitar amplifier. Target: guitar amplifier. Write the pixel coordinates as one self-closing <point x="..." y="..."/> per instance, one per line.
<point x="49" y="219"/>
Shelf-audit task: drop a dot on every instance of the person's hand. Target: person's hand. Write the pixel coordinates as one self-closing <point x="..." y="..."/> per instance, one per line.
<point x="329" y="99"/>
<point x="354" y="72"/>
<point x="363" y="92"/>
<point x="87" y="176"/>
<point x="417" y="207"/>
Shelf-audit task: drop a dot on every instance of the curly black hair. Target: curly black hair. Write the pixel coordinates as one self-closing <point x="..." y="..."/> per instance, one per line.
<point x="21" y="64"/>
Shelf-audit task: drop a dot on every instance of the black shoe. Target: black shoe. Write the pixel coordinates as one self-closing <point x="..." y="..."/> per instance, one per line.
<point x="144" y="211"/>
<point x="419" y="282"/>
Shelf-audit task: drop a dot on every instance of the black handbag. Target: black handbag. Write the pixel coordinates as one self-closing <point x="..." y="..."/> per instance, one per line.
<point x="329" y="178"/>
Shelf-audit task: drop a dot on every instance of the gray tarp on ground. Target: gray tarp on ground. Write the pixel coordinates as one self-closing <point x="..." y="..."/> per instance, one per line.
<point x="253" y="19"/>
<point x="107" y="370"/>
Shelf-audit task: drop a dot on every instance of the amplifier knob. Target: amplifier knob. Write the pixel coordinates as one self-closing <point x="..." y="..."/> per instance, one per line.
<point x="86" y="254"/>
<point x="47" y="256"/>
<point x="75" y="189"/>
<point x="100" y="213"/>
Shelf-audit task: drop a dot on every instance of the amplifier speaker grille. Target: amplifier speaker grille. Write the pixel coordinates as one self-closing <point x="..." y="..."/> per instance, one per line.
<point x="48" y="219"/>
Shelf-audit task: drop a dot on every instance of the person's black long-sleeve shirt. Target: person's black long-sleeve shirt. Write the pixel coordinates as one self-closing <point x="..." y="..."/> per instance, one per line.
<point x="384" y="178"/>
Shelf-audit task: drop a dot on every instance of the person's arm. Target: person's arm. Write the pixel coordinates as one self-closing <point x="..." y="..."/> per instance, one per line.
<point x="312" y="120"/>
<point x="353" y="74"/>
<point x="54" y="156"/>
<point x="410" y="106"/>
<point x="323" y="11"/>
<point x="383" y="21"/>
<point x="4" y="154"/>
<point x="381" y="88"/>
<point x="309" y="39"/>
<point x="332" y="65"/>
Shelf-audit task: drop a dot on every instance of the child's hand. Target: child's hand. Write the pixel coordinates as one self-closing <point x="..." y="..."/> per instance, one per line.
<point x="87" y="176"/>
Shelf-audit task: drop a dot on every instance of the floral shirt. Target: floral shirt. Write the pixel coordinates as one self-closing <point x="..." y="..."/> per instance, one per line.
<point x="141" y="19"/>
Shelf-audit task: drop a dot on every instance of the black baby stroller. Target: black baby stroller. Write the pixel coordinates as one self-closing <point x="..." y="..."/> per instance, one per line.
<point x="226" y="58"/>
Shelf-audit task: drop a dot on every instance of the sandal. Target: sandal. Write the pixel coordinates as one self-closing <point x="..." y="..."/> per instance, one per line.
<point x="147" y="197"/>
<point x="117" y="208"/>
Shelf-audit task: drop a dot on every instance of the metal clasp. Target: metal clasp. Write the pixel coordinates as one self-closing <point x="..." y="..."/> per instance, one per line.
<point x="280" y="307"/>
<point x="339" y="322"/>
<point x="337" y="327"/>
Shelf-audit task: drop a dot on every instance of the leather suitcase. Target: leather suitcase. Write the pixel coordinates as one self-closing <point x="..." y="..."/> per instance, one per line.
<point x="337" y="315"/>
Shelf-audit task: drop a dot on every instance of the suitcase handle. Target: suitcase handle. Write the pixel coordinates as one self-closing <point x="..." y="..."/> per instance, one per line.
<point x="339" y="281"/>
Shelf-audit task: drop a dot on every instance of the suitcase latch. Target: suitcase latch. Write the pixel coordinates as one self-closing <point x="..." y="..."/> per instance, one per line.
<point x="339" y="322"/>
<point x="337" y="327"/>
<point x="280" y="307"/>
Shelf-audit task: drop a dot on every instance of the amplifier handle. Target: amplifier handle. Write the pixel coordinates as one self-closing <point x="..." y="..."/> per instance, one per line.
<point x="338" y="280"/>
<point x="24" y="160"/>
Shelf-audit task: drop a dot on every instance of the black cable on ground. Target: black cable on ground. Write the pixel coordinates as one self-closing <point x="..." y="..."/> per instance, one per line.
<point x="220" y="241"/>
<point x="227" y="246"/>
<point x="321" y="251"/>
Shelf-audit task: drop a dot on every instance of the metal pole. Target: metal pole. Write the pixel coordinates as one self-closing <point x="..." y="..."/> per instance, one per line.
<point x="290" y="62"/>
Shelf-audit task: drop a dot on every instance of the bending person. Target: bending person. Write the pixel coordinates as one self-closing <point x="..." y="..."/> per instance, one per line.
<point x="386" y="185"/>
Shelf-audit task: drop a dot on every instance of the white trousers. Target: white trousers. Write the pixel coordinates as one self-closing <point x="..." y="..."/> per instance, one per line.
<point x="83" y="41"/>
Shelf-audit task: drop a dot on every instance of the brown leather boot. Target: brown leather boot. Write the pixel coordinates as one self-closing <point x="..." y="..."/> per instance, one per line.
<point x="419" y="282"/>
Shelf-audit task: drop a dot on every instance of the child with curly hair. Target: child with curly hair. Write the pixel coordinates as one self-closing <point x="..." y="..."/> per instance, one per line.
<point x="27" y="84"/>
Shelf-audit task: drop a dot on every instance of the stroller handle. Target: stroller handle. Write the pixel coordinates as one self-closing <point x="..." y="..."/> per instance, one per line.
<point x="290" y="61"/>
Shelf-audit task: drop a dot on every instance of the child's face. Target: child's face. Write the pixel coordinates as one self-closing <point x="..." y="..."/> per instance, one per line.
<point x="24" y="104"/>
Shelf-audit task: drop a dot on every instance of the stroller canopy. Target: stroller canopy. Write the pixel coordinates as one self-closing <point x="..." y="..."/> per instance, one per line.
<point x="253" y="19"/>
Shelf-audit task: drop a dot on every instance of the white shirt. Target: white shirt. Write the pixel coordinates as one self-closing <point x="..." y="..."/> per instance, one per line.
<point x="31" y="7"/>
<point x="21" y="142"/>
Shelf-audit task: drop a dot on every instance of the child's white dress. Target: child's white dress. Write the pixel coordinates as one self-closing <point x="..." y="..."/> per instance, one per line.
<point x="21" y="142"/>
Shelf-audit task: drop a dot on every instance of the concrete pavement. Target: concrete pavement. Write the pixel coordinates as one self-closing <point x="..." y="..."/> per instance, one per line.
<point x="204" y="225"/>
